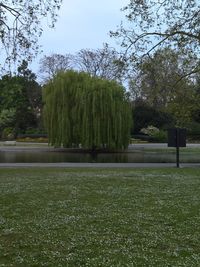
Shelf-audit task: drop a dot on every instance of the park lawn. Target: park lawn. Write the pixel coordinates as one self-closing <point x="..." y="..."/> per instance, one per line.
<point x="95" y="217"/>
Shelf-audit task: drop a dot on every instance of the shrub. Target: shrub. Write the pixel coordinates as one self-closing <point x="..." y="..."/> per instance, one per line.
<point x="155" y="134"/>
<point x="193" y="130"/>
<point x="150" y="130"/>
<point x="8" y="133"/>
<point x="144" y="115"/>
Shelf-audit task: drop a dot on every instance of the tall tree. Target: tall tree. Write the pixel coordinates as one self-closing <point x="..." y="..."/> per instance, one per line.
<point x="161" y="85"/>
<point x="52" y="64"/>
<point x="80" y="109"/>
<point x="154" y="24"/>
<point x="20" y="100"/>
<point x="20" y="25"/>
<point x="156" y="82"/>
<point x="32" y="89"/>
<point x="14" y="100"/>
<point x="104" y="63"/>
<point x="25" y="72"/>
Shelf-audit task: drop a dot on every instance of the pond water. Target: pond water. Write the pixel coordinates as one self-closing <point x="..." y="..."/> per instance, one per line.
<point x="138" y="156"/>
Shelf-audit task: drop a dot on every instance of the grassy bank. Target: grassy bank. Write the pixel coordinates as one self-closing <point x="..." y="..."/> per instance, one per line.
<point x="56" y="217"/>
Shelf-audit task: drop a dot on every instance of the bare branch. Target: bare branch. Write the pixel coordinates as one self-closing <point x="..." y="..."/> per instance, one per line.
<point x="5" y="24"/>
<point x="12" y="11"/>
<point x="21" y="26"/>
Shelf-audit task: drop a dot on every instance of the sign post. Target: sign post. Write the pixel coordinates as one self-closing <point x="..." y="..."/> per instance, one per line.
<point x="177" y="147"/>
<point x="177" y="138"/>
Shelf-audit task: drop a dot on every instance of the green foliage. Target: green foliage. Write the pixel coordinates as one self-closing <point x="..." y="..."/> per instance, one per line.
<point x="161" y="86"/>
<point x="8" y="133"/>
<point x="157" y="76"/>
<point x="7" y="117"/>
<point x="20" y="101"/>
<point x="155" y="134"/>
<point x="158" y="80"/>
<point x="193" y="130"/>
<point x="144" y="115"/>
<point x="162" y="38"/>
<point x="13" y="94"/>
<point x="160" y="136"/>
<point x="184" y="106"/>
<point x="80" y="109"/>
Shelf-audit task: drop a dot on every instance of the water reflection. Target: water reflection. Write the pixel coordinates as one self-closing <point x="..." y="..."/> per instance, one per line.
<point x="131" y="157"/>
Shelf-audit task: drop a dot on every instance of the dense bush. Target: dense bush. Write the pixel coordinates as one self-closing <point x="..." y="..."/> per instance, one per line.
<point x="8" y="133"/>
<point x="144" y="115"/>
<point x="155" y="134"/>
<point x="193" y="131"/>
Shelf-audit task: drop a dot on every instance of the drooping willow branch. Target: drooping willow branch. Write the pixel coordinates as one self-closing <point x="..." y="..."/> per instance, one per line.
<point x="80" y="109"/>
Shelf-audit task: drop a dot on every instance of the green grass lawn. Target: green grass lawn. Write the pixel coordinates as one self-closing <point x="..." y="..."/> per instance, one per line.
<point x="93" y="217"/>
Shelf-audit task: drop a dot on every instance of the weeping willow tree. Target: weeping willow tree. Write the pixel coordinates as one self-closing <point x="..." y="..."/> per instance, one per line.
<point x="80" y="109"/>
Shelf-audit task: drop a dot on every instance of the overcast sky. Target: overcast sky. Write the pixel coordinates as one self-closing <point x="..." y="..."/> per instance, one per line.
<point x="82" y="24"/>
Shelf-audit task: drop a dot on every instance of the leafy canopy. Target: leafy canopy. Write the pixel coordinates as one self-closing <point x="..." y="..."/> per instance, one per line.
<point x="20" y="100"/>
<point x="86" y="110"/>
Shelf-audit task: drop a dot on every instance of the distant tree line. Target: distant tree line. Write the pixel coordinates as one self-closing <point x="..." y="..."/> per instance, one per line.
<point x="157" y="90"/>
<point x="104" y="62"/>
<point x="158" y="64"/>
<point x="160" y="93"/>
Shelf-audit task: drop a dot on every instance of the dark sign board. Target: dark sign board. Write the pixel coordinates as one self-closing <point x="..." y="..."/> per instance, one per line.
<point x="177" y="137"/>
